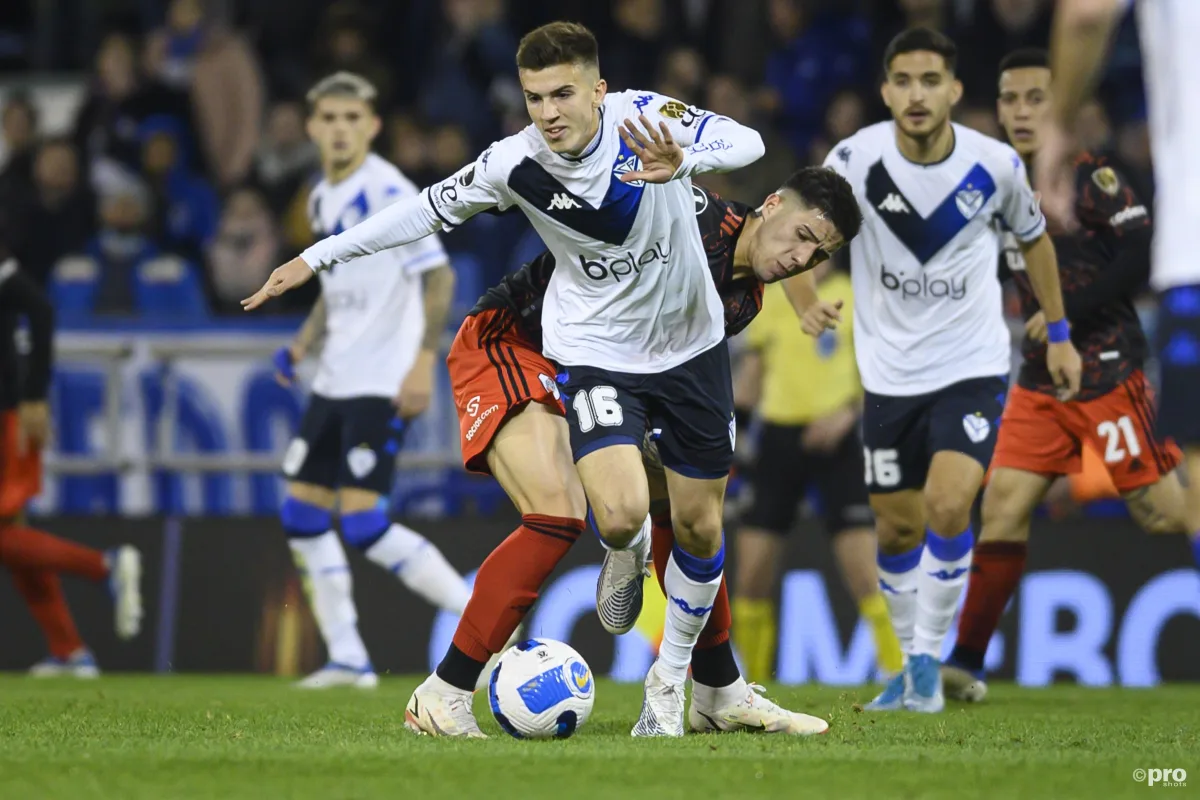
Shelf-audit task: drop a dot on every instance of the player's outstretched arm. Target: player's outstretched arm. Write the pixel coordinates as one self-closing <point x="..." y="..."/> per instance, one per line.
<point x="1062" y="360"/>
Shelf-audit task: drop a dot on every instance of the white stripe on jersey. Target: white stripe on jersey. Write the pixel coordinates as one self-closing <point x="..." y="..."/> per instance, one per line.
<point x="927" y="300"/>
<point x="375" y="307"/>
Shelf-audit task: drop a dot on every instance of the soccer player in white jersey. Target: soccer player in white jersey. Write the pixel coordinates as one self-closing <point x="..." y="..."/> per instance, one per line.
<point x="1168" y="30"/>
<point x="379" y="324"/>
<point x="931" y="342"/>
<point x="635" y="322"/>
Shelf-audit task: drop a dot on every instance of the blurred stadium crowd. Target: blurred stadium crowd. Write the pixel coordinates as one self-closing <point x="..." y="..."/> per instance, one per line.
<point x="178" y="176"/>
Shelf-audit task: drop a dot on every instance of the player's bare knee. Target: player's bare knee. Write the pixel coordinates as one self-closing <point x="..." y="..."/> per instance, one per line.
<point x="618" y="523"/>
<point x="319" y="496"/>
<point x="701" y="535"/>
<point x="897" y="535"/>
<point x="947" y="513"/>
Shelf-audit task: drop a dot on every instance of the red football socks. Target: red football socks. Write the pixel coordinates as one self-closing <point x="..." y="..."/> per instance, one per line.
<point x="996" y="570"/>
<point x="506" y="586"/>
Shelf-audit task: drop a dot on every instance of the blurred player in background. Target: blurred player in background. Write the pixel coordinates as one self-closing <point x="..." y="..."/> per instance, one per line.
<point x="1103" y="265"/>
<point x="380" y="326"/>
<point x="1168" y="30"/>
<point x="932" y="345"/>
<point x="809" y="399"/>
<point x="636" y="328"/>
<point x="35" y="558"/>
<point x="511" y="417"/>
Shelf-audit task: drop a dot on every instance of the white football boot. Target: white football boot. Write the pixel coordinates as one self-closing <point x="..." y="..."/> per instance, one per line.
<point x="438" y="709"/>
<point x="334" y="674"/>
<point x="751" y="711"/>
<point x="662" y="707"/>
<point x="125" y="584"/>
<point x="619" y="587"/>
<point x="962" y="684"/>
<point x="80" y="664"/>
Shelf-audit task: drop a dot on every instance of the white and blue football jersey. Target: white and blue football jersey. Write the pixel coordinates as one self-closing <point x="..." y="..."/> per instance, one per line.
<point x="927" y="300"/>
<point x="632" y="292"/>
<point x="375" y="309"/>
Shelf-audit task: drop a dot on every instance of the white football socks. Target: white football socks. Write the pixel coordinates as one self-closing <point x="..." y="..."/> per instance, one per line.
<point x="421" y="567"/>
<point x="943" y="573"/>
<point x="689" y="603"/>
<point x="331" y="595"/>
<point x="898" y="582"/>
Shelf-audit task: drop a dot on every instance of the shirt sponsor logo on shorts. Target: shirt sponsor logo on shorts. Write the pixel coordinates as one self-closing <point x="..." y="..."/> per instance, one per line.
<point x="474" y="429"/>
<point x="977" y="427"/>
<point x="361" y="460"/>
<point x="473" y="406"/>
<point x="550" y="385"/>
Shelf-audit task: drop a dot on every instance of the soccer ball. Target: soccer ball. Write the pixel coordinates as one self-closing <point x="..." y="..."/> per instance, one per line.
<point x="541" y="689"/>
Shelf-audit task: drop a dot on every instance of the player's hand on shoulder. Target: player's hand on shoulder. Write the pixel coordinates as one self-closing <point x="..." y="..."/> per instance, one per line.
<point x="33" y="426"/>
<point x="660" y="155"/>
<point x="1035" y="327"/>
<point x="291" y="275"/>
<point x="821" y="316"/>
<point x="417" y="389"/>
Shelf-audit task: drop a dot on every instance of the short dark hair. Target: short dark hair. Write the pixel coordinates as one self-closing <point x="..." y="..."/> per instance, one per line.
<point x="1025" y="58"/>
<point x="921" y="39"/>
<point x="558" y="43"/>
<point x="828" y="192"/>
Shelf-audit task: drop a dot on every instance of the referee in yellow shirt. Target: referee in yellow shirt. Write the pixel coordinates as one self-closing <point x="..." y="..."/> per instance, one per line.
<point x="808" y="398"/>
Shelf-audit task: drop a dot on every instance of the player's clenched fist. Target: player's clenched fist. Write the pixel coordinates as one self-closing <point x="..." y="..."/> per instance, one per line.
<point x="821" y="316"/>
<point x="292" y="274"/>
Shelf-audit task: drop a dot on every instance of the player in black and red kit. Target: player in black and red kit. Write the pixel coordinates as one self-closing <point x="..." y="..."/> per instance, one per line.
<point x="510" y="415"/>
<point x="33" y="557"/>
<point x="1102" y="267"/>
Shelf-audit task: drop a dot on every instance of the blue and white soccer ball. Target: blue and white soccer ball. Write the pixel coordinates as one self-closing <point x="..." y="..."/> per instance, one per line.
<point x="541" y="689"/>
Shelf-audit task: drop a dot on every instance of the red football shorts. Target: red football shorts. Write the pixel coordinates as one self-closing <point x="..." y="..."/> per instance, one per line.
<point x="1040" y="434"/>
<point x="20" y="475"/>
<point x="494" y="372"/>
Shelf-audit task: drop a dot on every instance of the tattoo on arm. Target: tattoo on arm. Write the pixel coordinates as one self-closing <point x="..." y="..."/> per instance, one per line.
<point x="438" y="284"/>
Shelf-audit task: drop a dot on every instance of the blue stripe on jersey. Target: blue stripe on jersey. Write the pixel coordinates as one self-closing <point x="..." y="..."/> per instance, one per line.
<point x="925" y="236"/>
<point x="610" y="223"/>
<point x="354" y="212"/>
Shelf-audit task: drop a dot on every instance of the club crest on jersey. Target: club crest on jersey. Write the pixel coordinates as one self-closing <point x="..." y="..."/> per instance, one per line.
<point x="549" y="385"/>
<point x="1107" y="181"/>
<point x="361" y="460"/>
<point x="627" y="162"/>
<point x="969" y="200"/>
<point x="700" y="199"/>
<point x="977" y="427"/>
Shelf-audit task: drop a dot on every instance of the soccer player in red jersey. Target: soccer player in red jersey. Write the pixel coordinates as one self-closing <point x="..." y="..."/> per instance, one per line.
<point x="35" y="558"/>
<point x="1102" y="266"/>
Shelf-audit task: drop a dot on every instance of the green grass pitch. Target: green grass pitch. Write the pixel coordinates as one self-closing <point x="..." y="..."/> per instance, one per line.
<point x="259" y="738"/>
